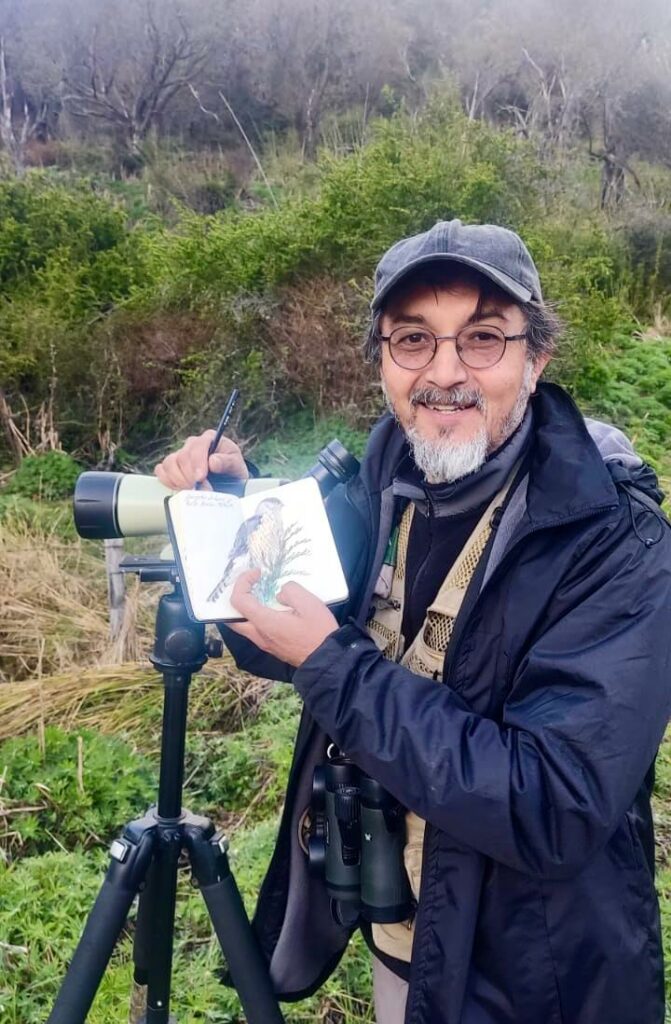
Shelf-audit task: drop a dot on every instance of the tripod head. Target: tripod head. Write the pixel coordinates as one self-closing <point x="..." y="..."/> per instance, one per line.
<point x="179" y="642"/>
<point x="150" y="568"/>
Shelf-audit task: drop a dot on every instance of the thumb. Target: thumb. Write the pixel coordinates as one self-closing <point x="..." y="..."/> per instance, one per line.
<point x="242" y="598"/>
<point x="297" y="597"/>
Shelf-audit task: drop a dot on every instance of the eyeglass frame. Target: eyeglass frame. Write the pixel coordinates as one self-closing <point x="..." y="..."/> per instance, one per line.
<point x="454" y="338"/>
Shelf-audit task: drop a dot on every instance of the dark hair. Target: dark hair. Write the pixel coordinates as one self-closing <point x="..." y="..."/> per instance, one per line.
<point x="544" y="327"/>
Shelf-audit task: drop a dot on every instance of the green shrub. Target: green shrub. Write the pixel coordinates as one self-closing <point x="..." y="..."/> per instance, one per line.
<point x="636" y="395"/>
<point x="245" y="771"/>
<point x="48" y="477"/>
<point x="78" y="791"/>
<point x="414" y="171"/>
<point x="647" y="242"/>
<point x="273" y="301"/>
<point x="50" y="520"/>
<point x="39" y="218"/>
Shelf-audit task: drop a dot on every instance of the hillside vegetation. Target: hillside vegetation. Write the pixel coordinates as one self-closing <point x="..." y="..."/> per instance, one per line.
<point x="120" y="331"/>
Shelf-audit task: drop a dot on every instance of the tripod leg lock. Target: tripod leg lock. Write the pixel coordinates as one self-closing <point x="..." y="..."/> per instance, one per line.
<point x="207" y="852"/>
<point x="131" y="853"/>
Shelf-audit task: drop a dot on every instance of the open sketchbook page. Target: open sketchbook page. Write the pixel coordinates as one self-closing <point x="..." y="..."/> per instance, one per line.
<point x="284" y="532"/>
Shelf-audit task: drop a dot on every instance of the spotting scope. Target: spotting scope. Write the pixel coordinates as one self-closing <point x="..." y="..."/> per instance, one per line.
<point x="110" y="505"/>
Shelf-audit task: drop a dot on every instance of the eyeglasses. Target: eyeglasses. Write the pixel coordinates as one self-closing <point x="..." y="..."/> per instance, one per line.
<point x="478" y="346"/>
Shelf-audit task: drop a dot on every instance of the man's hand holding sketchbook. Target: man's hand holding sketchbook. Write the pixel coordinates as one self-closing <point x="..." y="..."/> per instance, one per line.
<point x="284" y="533"/>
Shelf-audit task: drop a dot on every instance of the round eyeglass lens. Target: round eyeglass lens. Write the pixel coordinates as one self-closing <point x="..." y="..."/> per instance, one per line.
<point x="412" y="347"/>
<point x="477" y="346"/>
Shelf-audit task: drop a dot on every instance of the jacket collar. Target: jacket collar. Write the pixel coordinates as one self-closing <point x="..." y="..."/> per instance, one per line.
<point x="567" y="475"/>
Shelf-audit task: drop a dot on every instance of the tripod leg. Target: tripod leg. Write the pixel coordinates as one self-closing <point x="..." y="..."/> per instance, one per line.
<point x="130" y="859"/>
<point x="248" y="968"/>
<point x="159" y="956"/>
<point x="144" y="925"/>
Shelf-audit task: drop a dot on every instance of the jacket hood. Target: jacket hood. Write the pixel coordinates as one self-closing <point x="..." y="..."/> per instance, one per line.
<point x="623" y="462"/>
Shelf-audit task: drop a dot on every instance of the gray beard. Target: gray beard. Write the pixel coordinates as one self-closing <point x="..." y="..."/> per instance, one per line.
<point x="442" y="462"/>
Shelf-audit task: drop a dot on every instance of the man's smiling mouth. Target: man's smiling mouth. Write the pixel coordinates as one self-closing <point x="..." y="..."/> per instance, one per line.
<point x="448" y="402"/>
<point x="447" y="408"/>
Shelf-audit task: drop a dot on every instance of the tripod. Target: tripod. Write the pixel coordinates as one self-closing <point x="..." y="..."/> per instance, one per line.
<point x="145" y="858"/>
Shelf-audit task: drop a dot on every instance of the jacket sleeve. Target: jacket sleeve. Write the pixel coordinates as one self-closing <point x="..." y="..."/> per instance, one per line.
<point x="350" y="539"/>
<point x="542" y="788"/>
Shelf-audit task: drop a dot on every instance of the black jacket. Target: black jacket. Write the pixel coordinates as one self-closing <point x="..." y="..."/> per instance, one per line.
<point x="532" y="764"/>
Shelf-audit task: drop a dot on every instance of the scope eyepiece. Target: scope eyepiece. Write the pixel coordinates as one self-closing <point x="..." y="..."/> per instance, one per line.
<point x="334" y="465"/>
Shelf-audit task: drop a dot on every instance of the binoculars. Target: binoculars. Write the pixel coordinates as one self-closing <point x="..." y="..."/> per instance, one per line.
<point x="356" y="841"/>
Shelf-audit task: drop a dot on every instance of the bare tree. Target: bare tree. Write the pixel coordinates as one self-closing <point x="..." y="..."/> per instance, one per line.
<point x="128" y="92"/>
<point x="14" y="132"/>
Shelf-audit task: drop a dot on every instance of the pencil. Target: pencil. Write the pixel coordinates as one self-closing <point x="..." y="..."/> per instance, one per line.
<point x="223" y="422"/>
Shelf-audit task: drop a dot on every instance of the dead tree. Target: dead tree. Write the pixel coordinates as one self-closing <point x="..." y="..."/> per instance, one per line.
<point x="614" y="160"/>
<point x="129" y="94"/>
<point x="14" y="136"/>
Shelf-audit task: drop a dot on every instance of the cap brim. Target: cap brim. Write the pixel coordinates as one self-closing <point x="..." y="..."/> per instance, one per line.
<point x="504" y="282"/>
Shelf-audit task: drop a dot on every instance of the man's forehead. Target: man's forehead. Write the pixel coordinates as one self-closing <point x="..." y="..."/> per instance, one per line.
<point x="416" y="298"/>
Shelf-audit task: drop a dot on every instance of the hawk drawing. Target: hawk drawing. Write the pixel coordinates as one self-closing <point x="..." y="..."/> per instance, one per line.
<point x="258" y="540"/>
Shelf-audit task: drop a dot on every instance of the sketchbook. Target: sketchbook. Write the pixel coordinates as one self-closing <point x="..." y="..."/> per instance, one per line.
<point x="283" y="531"/>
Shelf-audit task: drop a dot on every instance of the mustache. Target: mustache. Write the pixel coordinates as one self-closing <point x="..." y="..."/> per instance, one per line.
<point x="450" y="396"/>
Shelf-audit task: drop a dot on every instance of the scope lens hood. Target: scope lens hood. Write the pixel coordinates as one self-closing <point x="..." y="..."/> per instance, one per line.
<point x="95" y="504"/>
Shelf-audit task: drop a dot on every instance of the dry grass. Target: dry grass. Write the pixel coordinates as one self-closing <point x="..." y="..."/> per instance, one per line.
<point x="660" y="326"/>
<point x="57" y="663"/>
<point x="119" y="697"/>
<point x="53" y="606"/>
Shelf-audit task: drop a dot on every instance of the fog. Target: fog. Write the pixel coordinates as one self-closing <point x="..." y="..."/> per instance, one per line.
<point x="592" y="73"/>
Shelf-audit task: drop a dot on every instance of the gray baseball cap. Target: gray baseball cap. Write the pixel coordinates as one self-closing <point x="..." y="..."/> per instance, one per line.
<point x="496" y="252"/>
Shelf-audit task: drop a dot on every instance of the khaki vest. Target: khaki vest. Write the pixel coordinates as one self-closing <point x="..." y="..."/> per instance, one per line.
<point x="425" y="657"/>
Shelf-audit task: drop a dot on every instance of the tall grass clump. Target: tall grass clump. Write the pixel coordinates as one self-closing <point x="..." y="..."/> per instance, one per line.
<point x="53" y="603"/>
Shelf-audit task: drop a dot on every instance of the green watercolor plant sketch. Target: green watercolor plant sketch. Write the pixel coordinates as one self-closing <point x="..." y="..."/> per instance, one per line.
<point x="264" y="541"/>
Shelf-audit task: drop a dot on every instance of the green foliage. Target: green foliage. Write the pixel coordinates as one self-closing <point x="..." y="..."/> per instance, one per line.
<point x="245" y="771"/>
<point x="74" y="792"/>
<point x="129" y="334"/>
<point x="43" y="901"/>
<point x="664" y="891"/>
<point x="46" y="477"/>
<point x="39" y="219"/>
<point x="293" y="449"/>
<point x="53" y="519"/>
<point x="648" y="250"/>
<point x="635" y="394"/>
<point x="245" y="768"/>
<point x="414" y="171"/>
<point x="64" y="885"/>
<point x="66" y="259"/>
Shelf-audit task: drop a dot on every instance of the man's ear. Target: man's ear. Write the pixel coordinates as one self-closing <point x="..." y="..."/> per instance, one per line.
<point x="539" y="365"/>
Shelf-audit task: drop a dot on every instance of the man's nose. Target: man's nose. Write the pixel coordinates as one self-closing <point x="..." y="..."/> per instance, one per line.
<point x="446" y="368"/>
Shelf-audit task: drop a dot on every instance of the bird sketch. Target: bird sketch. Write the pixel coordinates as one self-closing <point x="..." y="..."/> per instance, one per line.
<point x="264" y="542"/>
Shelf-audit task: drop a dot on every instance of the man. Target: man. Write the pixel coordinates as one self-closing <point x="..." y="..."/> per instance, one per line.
<point x="502" y="669"/>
